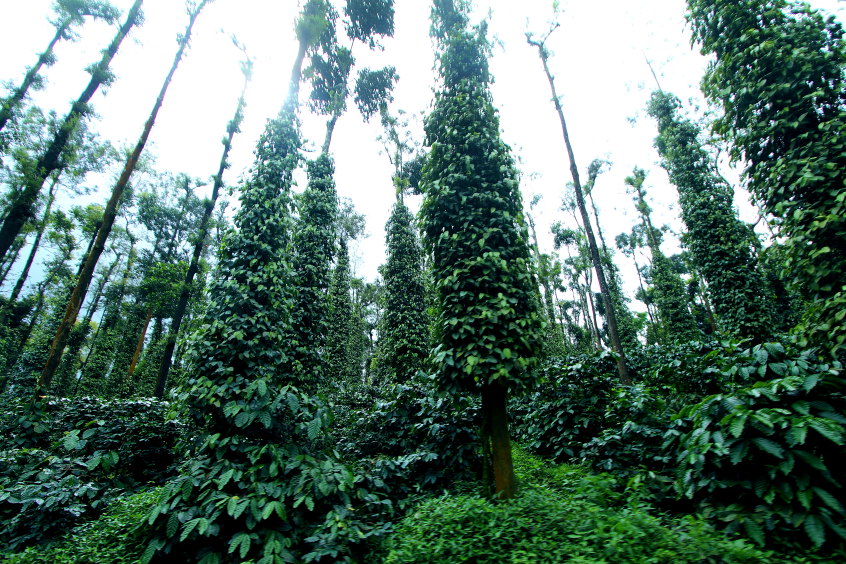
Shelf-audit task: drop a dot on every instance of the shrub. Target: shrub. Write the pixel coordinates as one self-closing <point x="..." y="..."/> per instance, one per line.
<point x="567" y="408"/>
<point x="112" y="538"/>
<point x="413" y="439"/>
<point x="540" y="526"/>
<point x="768" y="458"/>
<point x="92" y="451"/>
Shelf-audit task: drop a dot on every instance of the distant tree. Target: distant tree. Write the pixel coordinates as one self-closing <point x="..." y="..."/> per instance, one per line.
<point x="601" y="276"/>
<point x="403" y="328"/>
<point x="720" y="244"/>
<point x="777" y="74"/>
<point x="201" y="237"/>
<point x="315" y="248"/>
<point x="669" y="295"/>
<point x="20" y="208"/>
<point x="488" y="330"/>
<point x="57" y="347"/>
<point x="68" y="13"/>
<point x="342" y="364"/>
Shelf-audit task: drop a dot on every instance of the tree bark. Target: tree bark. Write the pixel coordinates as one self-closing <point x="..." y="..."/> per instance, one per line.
<point x="16" y="291"/>
<point x="622" y="368"/>
<point x="12" y="258"/>
<point x="109" y="215"/>
<point x="203" y="235"/>
<point x="20" y="210"/>
<point x="139" y="347"/>
<point x="494" y="397"/>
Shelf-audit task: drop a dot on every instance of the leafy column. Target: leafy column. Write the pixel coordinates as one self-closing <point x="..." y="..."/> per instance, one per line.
<point x="201" y="237"/>
<point x="778" y="77"/>
<point x="488" y="329"/>
<point x="669" y="291"/>
<point x="719" y="243"/>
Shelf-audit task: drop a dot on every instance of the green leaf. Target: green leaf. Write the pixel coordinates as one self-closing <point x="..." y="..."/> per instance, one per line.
<point x="224" y="478"/>
<point x="769" y="446"/>
<point x="241" y="540"/>
<point x="186" y="530"/>
<point x="829" y="499"/>
<point x="815" y="529"/>
<point x="314" y="427"/>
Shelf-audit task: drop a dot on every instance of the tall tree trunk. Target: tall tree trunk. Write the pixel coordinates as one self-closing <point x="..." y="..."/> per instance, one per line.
<point x="622" y="367"/>
<point x="494" y="397"/>
<point x="109" y="215"/>
<point x="182" y="305"/>
<point x="16" y="291"/>
<point x="9" y="104"/>
<point x="643" y="291"/>
<point x="20" y="210"/>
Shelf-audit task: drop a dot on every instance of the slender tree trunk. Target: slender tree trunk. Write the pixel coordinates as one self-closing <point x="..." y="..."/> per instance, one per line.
<point x="139" y="347"/>
<point x="293" y="99"/>
<point x="16" y="291"/>
<point x="330" y="129"/>
<point x="10" y="103"/>
<point x="109" y="215"/>
<point x="622" y="368"/>
<point x="643" y="291"/>
<point x="13" y="258"/>
<point x="98" y="293"/>
<point x="20" y="210"/>
<point x="712" y="321"/>
<point x="182" y="305"/>
<point x="494" y="397"/>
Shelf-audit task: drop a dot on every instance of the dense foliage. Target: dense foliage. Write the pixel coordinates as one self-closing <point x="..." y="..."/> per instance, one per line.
<point x="778" y="77"/>
<point x="313" y="415"/>
<point x="720" y="244"/>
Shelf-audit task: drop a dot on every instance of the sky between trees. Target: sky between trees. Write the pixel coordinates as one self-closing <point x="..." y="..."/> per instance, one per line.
<point x="598" y="58"/>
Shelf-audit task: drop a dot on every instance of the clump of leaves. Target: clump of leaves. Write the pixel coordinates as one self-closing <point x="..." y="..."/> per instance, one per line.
<point x="111" y="538"/>
<point x="591" y="522"/>
<point x="413" y="439"/>
<point x="767" y="458"/>
<point x="567" y="408"/>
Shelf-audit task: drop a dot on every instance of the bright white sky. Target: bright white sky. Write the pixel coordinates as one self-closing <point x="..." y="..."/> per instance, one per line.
<point x="598" y="61"/>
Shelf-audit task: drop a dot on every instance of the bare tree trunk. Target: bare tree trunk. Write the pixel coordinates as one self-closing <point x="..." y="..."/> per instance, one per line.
<point x="643" y="291"/>
<point x="330" y="128"/>
<point x="16" y="291"/>
<point x="622" y="368"/>
<point x="109" y="215"/>
<point x="13" y="258"/>
<point x="494" y="397"/>
<point x="182" y="305"/>
<point x="20" y="209"/>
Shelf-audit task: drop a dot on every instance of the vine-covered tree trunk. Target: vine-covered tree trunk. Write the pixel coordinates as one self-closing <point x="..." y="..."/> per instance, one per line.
<point x="720" y="244"/>
<point x="138" y="347"/>
<point x="42" y="226"/>
<point x="777" y="73"/>
<point x="488" y="324"/>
